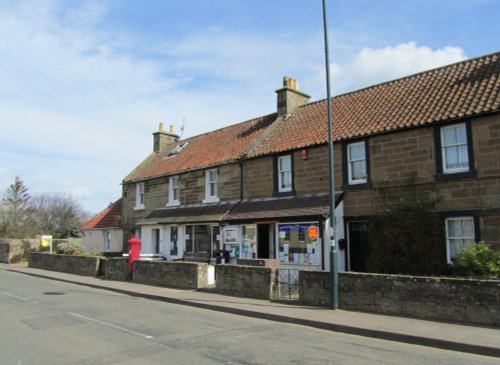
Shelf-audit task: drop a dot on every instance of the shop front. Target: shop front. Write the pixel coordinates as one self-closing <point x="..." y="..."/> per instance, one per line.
<point x="172" y="232"/>
<point x="290" y="229"/>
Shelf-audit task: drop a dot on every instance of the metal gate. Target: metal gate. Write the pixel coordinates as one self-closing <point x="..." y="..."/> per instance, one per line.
<point x="288" y="284"/>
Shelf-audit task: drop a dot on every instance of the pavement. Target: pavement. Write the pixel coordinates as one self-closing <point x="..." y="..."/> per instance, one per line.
<point x="449" y="336"/>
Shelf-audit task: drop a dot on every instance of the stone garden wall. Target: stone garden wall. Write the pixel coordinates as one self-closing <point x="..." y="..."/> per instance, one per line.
<point x="245" y="281"/>
<point x="431" y="298"/>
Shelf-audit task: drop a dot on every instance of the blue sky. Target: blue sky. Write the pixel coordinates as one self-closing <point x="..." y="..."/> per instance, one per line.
<point x="84" y="84"/>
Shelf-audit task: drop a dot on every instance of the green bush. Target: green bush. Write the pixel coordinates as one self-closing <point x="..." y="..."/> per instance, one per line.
<point x="478" y="261"/>
<point x="70" y="248"/>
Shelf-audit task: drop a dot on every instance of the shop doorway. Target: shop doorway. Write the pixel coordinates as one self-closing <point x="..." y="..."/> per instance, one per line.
<point x="357" y="250"/>
<point x="263" y="241"/>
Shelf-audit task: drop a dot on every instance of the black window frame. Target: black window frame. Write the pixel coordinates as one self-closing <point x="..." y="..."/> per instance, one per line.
<point x="345" y="166"/>
<point x="440" y="174"/>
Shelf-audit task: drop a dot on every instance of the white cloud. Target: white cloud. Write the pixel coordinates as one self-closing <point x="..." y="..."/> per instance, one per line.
<point x="371" y="66"/>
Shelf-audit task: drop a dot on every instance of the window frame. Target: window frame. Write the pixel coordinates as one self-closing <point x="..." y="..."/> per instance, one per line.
<point x="348" y="182"/>
<point x="350" y="179"/>
<point x="460" y="216"/>
<point x="444" y="173"/>
<point x="172" y="187"/>
<point x="278" y="176"/>
<point x="211" y="198"/>
<point x="140" y="196"/>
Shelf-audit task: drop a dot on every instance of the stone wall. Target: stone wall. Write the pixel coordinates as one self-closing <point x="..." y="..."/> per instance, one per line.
<point x="245" y="281"/>
<point x="441" y="299"/>
<point x="114" y="268"/>
<point x="179" y="275"/>
<point x="78" y="265"/>
<point x="13" y="250"/>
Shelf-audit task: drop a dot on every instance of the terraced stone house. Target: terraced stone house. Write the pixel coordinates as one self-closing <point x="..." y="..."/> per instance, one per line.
<point x="259" y="189"/>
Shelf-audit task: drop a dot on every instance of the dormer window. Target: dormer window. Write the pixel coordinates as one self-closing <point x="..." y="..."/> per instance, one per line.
<point x="177" y="149"/>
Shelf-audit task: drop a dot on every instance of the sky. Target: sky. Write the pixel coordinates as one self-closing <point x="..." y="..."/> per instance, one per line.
<point x="85" y="83"/>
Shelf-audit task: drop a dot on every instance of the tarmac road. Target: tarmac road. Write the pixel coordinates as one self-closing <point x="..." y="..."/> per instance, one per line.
<point x="50" y="322"/>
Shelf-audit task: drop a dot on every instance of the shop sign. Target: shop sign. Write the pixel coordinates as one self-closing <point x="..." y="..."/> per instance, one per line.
<point x="313" y="232"/>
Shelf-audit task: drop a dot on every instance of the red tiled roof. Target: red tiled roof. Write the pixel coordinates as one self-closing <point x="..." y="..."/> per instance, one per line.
<point x="108" y="218"/>
<point x="210" y="149"/>
<point x="460" y="90"/>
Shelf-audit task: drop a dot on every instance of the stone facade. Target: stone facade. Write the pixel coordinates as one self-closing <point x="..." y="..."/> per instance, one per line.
<point x="431" y="298"/>
<point x="192" y="191"/>
<point x="403" y="170"/>
<point x="78" y="265"/>
<point x="246" y="281"/>
<point x="179" y="275"/>
<point x="14" y="250"/>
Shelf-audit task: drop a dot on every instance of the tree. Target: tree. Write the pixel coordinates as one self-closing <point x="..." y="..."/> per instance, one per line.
<point x="23" y="216"/>
<point x="15" y="210"/>
<point x="58" y="215"/>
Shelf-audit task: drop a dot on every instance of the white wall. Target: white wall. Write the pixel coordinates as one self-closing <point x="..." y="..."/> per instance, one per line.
<point x="93" y="240"/>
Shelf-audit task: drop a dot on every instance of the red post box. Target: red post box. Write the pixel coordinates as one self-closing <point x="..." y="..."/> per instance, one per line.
<point x="134" y="252"/>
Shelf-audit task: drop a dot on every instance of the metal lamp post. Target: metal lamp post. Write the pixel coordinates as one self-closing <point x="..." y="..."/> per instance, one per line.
<point x="334" y="276"/>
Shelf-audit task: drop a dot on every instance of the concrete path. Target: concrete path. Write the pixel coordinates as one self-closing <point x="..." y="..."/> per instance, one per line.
<point x="472" y="339"/>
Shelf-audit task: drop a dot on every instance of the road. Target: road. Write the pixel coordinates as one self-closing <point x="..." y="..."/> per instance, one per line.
<point x="50" y="323"/>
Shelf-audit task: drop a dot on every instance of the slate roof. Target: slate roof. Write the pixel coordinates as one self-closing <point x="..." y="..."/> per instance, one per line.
<point x="191" y="214"/>
<point x="281" y="208"/>
<point x="108" y="218"/>
<point x="460" y="90"/>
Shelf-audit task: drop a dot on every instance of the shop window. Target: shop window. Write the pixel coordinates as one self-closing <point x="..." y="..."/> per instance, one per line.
<point x="249" y="241"/>
<point x="296" y="245"/>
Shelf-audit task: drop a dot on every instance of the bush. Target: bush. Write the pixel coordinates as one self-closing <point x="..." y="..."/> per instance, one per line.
<point x="70" y="248"/>
<point x="478" y="261"/>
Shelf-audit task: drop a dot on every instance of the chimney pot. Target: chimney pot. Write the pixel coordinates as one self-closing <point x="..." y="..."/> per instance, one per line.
<point x="161" y="127"/>
<point x="172" y="129"/>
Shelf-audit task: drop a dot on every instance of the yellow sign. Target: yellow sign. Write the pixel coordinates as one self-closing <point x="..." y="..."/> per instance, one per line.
<point x="45" y="243"/>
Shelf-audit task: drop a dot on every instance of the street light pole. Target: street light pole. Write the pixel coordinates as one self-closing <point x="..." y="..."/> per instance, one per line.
<point x="334" y="276"/>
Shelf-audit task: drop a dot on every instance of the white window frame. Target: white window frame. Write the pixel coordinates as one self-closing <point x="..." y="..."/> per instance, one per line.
<point x="350" y="162"/>
<point x="449" y="239"/>
<point x="444" y="149"/>
<point x="211" y="198"/>
<point x="107" y="240"/>
<point x="140" y="196"/>
<point x="281" y="173"/>
<point x="173" y="185"/>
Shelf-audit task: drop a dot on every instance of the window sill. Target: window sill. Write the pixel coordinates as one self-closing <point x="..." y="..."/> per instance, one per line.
<point x="140" y="208"/>
<point x="173" y="204"/>
<point x="366" y="185"/>
<point x="212" y="199"/>
<point x="456" y="175"/>
<point x="283" y="193"/>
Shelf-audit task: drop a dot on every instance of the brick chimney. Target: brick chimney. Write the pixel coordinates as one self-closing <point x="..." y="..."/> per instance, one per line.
<point x="289" y="96"/>
<point x="161" y="139"/>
